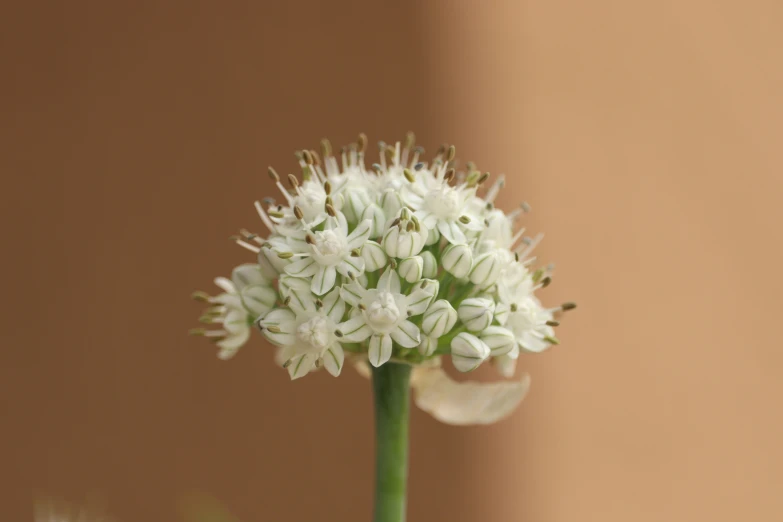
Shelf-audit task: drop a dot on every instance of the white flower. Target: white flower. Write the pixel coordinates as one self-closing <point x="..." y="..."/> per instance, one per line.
<point x="457" y="260"/>
<point x="308" y="328"/>
<point x="476" y="313"/>
<point x="499" y="228"/>
<point x="428" y="286"/>
<point x="311" y="197"/>
<point x="405" y="236"/>
<point x="383" y="316"/>
<point x="242" y="301"/>
<point x="468" y="352"/>
<point x="441" y="206"/>
<point x="272" y="265"/>
<point x="255" y="293"/>
<point x="378" y="218"/>
<point x="411" y="268"/>
<point x="329" y="251"/>
<point x="530" y="324"/>
<point x="427" y="346"/>
<point x="374" y="256"/>
<point x="488" y="266"/>
<point x="390" y="202"/>
<point x="354" y="252"/>
<point x="429" y="265"/>
<point x="501" y="341"/>
<point x="439" y="319"/>
<point x="356" y="199"/>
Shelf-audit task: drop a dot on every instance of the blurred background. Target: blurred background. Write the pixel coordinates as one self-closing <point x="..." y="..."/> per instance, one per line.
<point x="645" y="135"/>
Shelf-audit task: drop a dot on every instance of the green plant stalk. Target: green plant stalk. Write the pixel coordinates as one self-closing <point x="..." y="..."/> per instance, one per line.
<point x="392" y="404"/>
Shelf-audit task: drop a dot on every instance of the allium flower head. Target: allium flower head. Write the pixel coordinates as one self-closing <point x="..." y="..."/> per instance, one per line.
<point x="402" y="260"/>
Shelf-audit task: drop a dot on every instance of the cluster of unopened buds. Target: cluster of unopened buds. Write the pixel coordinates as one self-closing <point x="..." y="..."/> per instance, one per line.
<point x="402" y="261"/>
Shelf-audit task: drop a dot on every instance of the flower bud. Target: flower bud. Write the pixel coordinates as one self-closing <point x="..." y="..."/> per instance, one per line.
<point x="247" y="275"/>
<point x="391" y="203"/>
<point x="271" y="265"/>
<point x="499" y="228"/>
<point x="399" y="242"/>
<point x="433" y="236"/>
<point x="439" y="319"/>
<point x="258" y="299"/>
<point x="374" y="256"/>
<point x="411" y="268"/>
<point x="430" y="268"/>
<point x="486" y="269"/>
<point x="502" y="311"/>
<point x="476" y="313"/>
<point x="431" y="286"/>
<point x="427" y="346"/>
<point x="375" y="214"/>
<point x="355" y="202"/>
<point x="468" y="352"/>
<point x="500" y="340"/>
<point x="457" y="260"/>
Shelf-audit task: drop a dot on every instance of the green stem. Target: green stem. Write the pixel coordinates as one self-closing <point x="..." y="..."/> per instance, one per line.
<point x="445" y="285"/>
<point x="392" y="401"/>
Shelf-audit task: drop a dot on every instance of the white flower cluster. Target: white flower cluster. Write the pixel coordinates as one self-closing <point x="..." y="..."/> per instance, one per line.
<point x="402" y="260"/>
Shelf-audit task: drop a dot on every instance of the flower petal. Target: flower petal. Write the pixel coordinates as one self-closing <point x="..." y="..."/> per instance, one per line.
<point x="501" y="313"/>
<point x="406" y="335"/>
<point x="439" y="319"/>
<point x="533" y="344"/>
<point x="427" y="346"/>
<point x="352" y="293"/>
<point x="298" y="290"/>
<point x="225" y="284"/>
<point x="465" y="403"/>
<point x="375" y="214"/>
<point x="468" y="352"/>
<point x="281" y="319"/>
<point x="277" y="317"/>
<point x="380" y="349"/>
<point x="334" y="307"/>
<point x="359" y="236"/>
<point x="305" y="267"/>
<point x="301" y="365"/>
<point x="500" y="340"/>
<point x="232" y="343"/>
<point x="258" y="299"/>
<point x="374" y="256"/>
<point x="354" y="265"/>
<point x="411" y="268"/>
<point x="451" y="231"/>
<point x="338" y="222"/>
<point x="323" y="280"/>
<point x="235" y="320"/>
<point x="389" y="281"/>
<point x="283" y="353"/>
<point x="333" y="359"/>
<point x="354" y="330"/>
<point x="247" y="275"/>
<point x="418" y="301"/>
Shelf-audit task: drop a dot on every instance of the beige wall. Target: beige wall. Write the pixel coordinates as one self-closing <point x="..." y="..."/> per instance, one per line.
<point x="646" y="138"/>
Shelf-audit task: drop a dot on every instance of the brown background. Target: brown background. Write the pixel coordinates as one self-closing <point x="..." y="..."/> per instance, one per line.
<point x="646" y="136"/>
